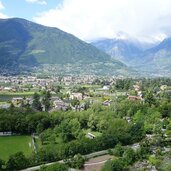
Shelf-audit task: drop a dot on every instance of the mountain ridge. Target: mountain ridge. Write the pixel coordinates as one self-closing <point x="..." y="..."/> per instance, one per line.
<point x="155" y="60"/>
<point x="26" y="44"/>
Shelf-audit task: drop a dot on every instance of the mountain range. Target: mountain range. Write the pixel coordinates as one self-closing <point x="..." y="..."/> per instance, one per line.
<point x="154" y="60"/>
<point x="29" y="47"/>
<point x="25" y="45"/>
<point x="121" y="49"/>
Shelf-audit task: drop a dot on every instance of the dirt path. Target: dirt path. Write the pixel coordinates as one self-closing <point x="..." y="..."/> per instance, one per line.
<point x="96" y="163"/>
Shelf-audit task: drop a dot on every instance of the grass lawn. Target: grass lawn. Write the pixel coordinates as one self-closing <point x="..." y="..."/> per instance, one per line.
<point x="39" y="145"/>
<point x="12" y="144"/>
<point x="4" y="103"/>
<point x="27" y="93"/>
<point x="7" y="96"/>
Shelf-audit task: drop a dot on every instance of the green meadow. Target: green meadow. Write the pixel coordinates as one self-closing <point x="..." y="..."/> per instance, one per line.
<point x="13" y="144"/>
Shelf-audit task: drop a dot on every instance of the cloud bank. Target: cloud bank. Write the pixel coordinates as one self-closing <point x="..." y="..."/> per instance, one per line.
<point x="41" y="2"/>
<point x="147" y="20"/>
<point x="1" y="8"/>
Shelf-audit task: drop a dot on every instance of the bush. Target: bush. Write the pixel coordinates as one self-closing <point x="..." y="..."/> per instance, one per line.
<point x="55" y="167"/>
<point x="114" y="165"/>
<point x="17" y="161"/>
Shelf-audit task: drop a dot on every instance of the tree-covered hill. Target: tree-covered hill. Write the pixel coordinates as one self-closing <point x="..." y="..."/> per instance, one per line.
<point x="24" y="44"/>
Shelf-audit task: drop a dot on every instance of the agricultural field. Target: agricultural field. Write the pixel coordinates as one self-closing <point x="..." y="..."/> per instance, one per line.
<point x="12" y="144"/>
<point x="7" y="96"/>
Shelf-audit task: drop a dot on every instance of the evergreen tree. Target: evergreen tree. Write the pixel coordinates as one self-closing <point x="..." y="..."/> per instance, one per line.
<point x="36" y="102"/>
<point x="46" y="100"/>
<point x="149" y="98"/>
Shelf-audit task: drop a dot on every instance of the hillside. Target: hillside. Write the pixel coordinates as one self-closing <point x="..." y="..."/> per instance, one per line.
<point x="123" y="50"/>
<point x="155" y="61"/>
<point x="24" y="44"/>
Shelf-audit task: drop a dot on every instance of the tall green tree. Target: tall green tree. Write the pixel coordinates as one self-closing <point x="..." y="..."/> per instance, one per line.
<point x="149" y="98"/>
<point x="17" y="161"/>
<point x="1" y="163"/>
<point x="46" y="100"/>
<point x="113" y="165"/>
<point x="75" y="102"/>
<point x="129" y="156"/>
<point x="36" y="102"/>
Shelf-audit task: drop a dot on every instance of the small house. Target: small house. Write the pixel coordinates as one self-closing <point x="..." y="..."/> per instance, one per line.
<point x="78" y="96"/>
<point x="107" y="102"/>
<point x="90" y="135"/>
<point x="59" y="104"/>
<point x="6" y="133"/>
<point x="17" y="100"/>
<point x="134" y="98"/>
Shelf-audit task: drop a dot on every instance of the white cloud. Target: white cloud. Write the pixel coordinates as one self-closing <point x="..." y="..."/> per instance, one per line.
<point x="41" y="2"/>
<point x="1" y="8"/>
<point x="90" y="19"/>
<point x="3" y="15"/>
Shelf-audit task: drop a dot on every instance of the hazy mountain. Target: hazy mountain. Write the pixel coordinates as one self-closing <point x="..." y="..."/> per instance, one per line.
<point x="121" y="49"/>
<point x="24" y="44"/>
<point x="156" y="59"/>
<point x="151" y="59"/>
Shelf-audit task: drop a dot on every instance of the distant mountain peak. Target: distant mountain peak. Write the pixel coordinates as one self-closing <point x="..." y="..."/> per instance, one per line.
<point x="121" y="36"/>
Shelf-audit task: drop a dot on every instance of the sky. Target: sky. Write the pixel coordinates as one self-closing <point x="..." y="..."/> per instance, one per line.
<point x="145" y="20"/>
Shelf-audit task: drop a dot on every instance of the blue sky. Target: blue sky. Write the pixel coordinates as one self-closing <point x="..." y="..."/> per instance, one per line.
<point x="25" y="9"/>
<point x="145" y="20"/>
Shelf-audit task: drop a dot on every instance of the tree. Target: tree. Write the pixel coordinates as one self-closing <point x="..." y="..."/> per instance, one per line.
<point x="46" y="100"/>
<point x="107" y="166"/>
<point x="137" y="131"/>
<point x="69" y="129"/>
<point x="75" y="127"/>
<point x="129" y="156"/>
<point x="167" y="167"/>
<point x="17" y="161"/>
<point x="165" y="109"/>
<point x="11" y="107"/>
<point x="117" y="165"/>
<point x="120" y="129"/>
<point x="55" y="167"/>
<point x="36" y="102"/>
<point x="92" y="122"/>
<point x="149" y="98"/>
<point x="42" y="137"/>
<point x="87" y="104"/>
<point x="113" y="165"/>
<point x="65" y="131"/>
<point x="46" y="103"/>
<point x="76" y="162"/>
<point x="58" y="88"/>
<point x="75" y="102"/>
<point x="118" y="150"/>
<point x="1" y="163"/>
<point x="144" y="149"/>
